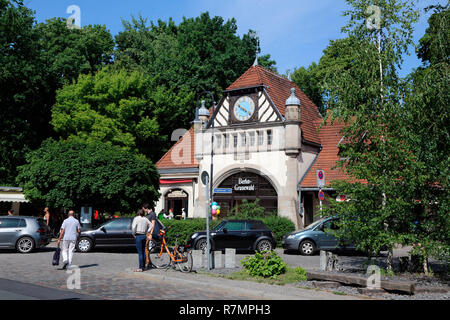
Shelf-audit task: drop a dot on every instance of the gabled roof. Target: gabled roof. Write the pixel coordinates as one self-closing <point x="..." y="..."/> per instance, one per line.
<point x="185" y="160"/>
<point x="279" y="90"/>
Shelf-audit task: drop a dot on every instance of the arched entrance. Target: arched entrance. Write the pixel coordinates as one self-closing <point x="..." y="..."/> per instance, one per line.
<point x="176" y="199"/>
<point x="249" y="186"/>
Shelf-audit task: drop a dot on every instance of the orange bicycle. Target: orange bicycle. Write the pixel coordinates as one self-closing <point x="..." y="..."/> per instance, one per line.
<point x="165" y="257"/>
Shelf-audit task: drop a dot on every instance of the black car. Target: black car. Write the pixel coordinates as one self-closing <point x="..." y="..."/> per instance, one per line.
<point x="114" y="233"/>
<point x="238" y="234"/>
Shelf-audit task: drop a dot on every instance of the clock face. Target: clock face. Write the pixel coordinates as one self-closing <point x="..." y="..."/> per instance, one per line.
<point x="244" y="108"/>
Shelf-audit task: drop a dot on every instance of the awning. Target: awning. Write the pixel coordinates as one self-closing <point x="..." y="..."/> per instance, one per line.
<point x="174" y="181"/>
<point x="12" y="197"/>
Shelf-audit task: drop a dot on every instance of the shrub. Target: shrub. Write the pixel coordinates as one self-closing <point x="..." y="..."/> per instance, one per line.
<point x="265" y="264"/>
<point x="301" y="274"/>
<point x="185" y="228"/>
<point x="279" y="226"/>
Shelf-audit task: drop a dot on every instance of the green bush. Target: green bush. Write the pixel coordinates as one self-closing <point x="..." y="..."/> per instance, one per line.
<point x="301" y="274"/>
<point x="185" y="228"/>
<point x="279" y="226"/>
<point x="264" y="264"/>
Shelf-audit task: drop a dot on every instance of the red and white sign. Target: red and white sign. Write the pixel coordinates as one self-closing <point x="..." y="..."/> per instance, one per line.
<point x="320" y="176"/>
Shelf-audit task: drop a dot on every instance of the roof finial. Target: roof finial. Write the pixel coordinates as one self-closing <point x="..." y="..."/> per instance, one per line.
<point x="256" y="62"/>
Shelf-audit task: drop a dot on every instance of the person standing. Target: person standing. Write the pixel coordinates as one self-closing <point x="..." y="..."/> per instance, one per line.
<point x="141" y="228"/>
<point x="10" y="212"/>
<point x="183" y="214"/>
<point x="47" y="216"/>
<point x="170" y="214"/>
<point x="70" y="233"/>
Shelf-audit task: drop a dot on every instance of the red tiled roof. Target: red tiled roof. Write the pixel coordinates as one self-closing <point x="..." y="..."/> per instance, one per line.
<point x="185" y="160"/>
<point x="330" y="136"/>
<point x="279" y="90"/>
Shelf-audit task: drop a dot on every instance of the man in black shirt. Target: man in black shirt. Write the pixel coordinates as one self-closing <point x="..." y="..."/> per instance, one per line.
<point x="151" y="216"/>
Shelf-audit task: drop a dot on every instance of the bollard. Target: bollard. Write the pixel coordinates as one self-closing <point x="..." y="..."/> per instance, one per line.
<point x="218" y="260"/>
<point x="230" y="257"/>
<point x="197" y="259"/>
<point x="323" y="260"/>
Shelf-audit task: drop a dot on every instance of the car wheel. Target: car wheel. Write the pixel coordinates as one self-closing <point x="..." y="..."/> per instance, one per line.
<point x="84" y="245"/>
<point x="201" y="245"/>
<point x="264" y="245"/>
<point x="307" y="248"/>
<point x="25" y="245"/>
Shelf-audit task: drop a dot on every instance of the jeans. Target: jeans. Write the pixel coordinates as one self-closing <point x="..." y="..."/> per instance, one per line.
<point x="140" y="246"/>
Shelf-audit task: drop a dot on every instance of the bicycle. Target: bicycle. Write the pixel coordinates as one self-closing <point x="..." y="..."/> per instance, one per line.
<point x="166" y="256"/>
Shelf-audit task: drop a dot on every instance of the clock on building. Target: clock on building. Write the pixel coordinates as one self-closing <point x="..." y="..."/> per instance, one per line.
<point x="244" y="108"/>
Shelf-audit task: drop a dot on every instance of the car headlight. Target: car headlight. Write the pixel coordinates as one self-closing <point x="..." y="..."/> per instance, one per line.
<point x="194" y="236"/>
<point x="292" y="236"/>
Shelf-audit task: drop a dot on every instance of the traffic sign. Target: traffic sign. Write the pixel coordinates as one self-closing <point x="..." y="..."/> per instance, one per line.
<point x="320" y="176"/>
<point x="205" y="177"/>
<point x="223" y="190"/>
<point x="321" y="195"/>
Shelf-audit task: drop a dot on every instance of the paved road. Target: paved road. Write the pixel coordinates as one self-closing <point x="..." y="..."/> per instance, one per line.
<point x="107" y="274"/>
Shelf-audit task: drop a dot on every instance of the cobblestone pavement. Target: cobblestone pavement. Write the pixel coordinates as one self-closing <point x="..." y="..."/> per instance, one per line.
<point x="108" y="274"/>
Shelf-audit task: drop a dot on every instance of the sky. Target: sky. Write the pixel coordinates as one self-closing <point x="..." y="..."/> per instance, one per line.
<point x="293" y="32"/>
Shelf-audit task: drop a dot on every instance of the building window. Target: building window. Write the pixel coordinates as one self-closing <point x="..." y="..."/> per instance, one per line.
<point x="235" y="140"/>
<point x="252" y="138"/>
<point x="218" y="140"/>
<point x="260" y="138"/>
<point x="269" y="137"/>
<point x="243" y="139"/>
<point x="226" y="140"/>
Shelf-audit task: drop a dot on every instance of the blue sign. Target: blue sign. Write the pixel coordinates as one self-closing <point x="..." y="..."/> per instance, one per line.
<point x="223" y="190"/>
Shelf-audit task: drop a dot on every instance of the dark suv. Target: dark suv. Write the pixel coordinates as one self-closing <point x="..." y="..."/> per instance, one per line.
<point x="238" y="234"/>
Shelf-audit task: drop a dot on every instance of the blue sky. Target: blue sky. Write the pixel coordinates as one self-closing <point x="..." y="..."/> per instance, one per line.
<point x="293" y="32"/>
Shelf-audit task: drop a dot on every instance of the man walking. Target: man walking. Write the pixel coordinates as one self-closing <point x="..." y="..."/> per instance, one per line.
<point x="70" y="233"/>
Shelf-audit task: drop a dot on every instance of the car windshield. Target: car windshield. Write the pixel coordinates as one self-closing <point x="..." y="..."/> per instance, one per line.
<point x="219" y="227"/>
<point x="315" y="224"/>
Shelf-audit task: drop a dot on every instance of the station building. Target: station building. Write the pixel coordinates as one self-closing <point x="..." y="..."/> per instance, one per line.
<point x="268" y="145"/>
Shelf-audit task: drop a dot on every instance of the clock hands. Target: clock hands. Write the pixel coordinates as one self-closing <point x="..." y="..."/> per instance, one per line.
<point x="245" y="110"/>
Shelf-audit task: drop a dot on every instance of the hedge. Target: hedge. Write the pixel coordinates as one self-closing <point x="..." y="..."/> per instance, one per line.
<point x="279" y="226"/>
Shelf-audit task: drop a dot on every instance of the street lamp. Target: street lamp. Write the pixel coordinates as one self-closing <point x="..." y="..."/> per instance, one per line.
<point x="204" y="112"/>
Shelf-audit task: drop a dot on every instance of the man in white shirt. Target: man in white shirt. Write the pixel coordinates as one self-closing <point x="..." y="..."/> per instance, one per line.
<point x="70" y="233"/>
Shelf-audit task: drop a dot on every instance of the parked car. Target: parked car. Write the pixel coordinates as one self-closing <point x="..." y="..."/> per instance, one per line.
<point x="238" y="234"/>
<point x="113" y="233"/>
<point x="23" y="233"/>
<point x="315" y="238"/>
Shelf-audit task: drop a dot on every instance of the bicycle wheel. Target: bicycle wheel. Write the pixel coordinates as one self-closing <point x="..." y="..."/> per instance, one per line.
<point x="160" y="260"/>
<point x="186" y="265"/>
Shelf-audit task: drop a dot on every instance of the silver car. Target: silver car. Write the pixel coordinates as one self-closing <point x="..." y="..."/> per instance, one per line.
<point x="23" y="233"/>
<point x="315" y="237"/>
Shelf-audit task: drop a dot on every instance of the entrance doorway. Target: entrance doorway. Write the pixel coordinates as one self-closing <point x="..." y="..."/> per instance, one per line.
<point x="176" y="200"/>
<point x="249" y="186"/>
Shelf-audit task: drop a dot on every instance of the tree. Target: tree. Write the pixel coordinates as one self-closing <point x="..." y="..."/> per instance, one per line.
<point x="36" y="60"/>
<point x="70" y="174"/>
<point x="121" y="108"/>
<point x="201" y="53"/>
<point x="337" y="58"/>
<point x="367" y="96"/>
<point x="428" y="124"/>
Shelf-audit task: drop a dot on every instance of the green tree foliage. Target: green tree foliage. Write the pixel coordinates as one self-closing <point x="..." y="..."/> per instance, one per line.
<point x="337" y="57"/>
<point x="36" y="60"/>
<point x="120" y="108"/>
<point x="367" y="96"/>
<point x="428" y="125"/>
<point x="68" y="174"/>
<point x="202" y="53"/>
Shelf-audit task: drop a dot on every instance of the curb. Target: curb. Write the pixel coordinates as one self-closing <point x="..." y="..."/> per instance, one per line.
<point x="257" y="291"/>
